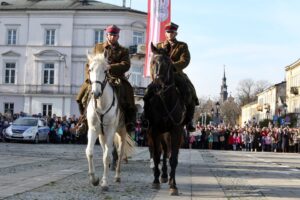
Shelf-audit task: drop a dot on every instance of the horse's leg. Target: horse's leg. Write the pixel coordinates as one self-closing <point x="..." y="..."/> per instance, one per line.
<point x="175" y="145"/>
<point x="114" y="158"/>
<point x="120" y="138"/>
<point x="164" y="176"/>
<point x="92" y="136"/>
<point x="150" y="147"/>
<point x="107" y="145"/>
<point x="156" y="159"/>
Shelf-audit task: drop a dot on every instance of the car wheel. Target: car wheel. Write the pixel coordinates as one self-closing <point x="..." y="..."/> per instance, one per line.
<point x="36" y="139"/>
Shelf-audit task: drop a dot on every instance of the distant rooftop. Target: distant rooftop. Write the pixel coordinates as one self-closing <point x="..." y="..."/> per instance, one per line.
<point x="88" y="5"/>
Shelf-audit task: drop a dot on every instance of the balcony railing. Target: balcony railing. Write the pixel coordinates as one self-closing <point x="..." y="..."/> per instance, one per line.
<point x="294" y="90"/>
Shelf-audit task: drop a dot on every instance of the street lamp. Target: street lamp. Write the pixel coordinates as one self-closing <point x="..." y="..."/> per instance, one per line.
<point x="267" y="113"/>
<point x="217" y="114"/>
<point x="285" y="108"/>
<point x="212" y="114"/>
<point x="202" y="119"/>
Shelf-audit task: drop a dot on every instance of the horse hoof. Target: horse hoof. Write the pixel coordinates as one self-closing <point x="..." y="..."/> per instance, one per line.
<point x="104" y="188"/>
<point x="95" y="182"/>
<point x="118" y="180"/>
<point x="163" y="180"/>
<point x="156" y="186"/>
<point x="174" y="192"/>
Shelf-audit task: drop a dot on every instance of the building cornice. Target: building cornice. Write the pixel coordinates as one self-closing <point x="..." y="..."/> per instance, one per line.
<point x="293" y="65"/>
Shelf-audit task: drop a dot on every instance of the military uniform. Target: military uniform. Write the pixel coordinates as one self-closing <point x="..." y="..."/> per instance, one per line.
<point x="117" y="58"/>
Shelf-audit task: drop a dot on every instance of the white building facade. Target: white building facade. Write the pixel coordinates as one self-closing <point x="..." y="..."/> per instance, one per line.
<point x="270" y="105"/>
<point x="292" y="92"/>
<point x="43" y="46"/>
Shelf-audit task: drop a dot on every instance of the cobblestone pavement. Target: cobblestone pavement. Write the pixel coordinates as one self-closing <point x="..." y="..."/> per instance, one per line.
<point x="51" y="172"/>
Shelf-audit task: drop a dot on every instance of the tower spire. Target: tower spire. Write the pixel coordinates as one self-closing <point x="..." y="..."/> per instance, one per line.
<point x="224" y="93"/>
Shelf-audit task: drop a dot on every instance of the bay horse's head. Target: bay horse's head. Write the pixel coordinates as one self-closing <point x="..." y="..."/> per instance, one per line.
<point x="98" y="73"/>
<point x="162" y="67"/>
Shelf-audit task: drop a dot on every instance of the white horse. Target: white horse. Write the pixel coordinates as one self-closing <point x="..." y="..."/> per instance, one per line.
<point x="105" y="120"/>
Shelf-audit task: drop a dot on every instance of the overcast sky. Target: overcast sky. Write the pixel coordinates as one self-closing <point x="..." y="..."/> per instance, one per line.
<point x="254" y="39"/>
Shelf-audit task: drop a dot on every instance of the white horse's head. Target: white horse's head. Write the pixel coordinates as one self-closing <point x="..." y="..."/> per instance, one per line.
<point x="97" y="70"/>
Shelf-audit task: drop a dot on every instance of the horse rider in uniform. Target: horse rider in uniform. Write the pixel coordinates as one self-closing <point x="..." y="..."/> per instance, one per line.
<point x="180" y="57"/>
<point x="118" y="63"/>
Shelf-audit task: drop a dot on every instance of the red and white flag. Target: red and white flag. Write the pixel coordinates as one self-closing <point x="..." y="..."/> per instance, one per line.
<point x="159" y="14"/>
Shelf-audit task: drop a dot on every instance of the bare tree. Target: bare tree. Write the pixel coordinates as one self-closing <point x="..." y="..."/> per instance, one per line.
<point x="245" y="91"/>
<point x="230" y="111"/>
<point x="261" y="86"/>
<point x="248" y="89"/>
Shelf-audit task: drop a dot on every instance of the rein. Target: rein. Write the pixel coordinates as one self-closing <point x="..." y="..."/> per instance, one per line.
<point x="169" y="113"/>
<point x="99" y="115"/>
<point x="103" y="83"/>
<point x="164" y="90"/>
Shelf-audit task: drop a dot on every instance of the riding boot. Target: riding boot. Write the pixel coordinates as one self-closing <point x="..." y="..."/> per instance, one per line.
<point x="197" y="103"/>
<point x="83" y="126"/>
<point x="190" y="109"/>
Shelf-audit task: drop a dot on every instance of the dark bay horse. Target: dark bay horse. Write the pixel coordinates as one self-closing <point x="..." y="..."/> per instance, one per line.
<point x="165" y="111"/>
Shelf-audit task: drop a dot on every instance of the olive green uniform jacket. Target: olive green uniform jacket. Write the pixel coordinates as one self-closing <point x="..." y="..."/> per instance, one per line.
<point x="180" y="56"/>
<point x="117" y="58"/>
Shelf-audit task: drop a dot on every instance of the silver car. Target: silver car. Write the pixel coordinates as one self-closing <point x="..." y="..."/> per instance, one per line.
<point x="28" y="129"/>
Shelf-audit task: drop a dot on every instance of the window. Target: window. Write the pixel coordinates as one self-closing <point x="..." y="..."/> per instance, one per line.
<point x="12" y="36"/>
<point x="47" y="110"/>
<point x="50" y="36"/>
<point x="9" y="108"/>
<point x="48" y="73"/>
<point x="99" y="34"/>
<point x="136" y="75"/>
<point x="10" y="73"/>
<point x="138" y="37"/>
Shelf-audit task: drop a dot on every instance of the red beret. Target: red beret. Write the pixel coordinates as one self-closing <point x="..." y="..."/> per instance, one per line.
<point x="171" y="27"/>
<point x="112" y="29"/>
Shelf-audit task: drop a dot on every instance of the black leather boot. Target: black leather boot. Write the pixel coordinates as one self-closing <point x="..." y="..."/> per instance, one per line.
<point x="190" y="109"/>
<point x="82" y="127"/>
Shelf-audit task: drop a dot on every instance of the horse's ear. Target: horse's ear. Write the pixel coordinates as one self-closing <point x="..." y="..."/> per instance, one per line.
<point x="153" y="48"/>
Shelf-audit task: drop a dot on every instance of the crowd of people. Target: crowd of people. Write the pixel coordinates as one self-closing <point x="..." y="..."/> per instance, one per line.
<point x="64" y="130"/>
<point x="248" y="138"/>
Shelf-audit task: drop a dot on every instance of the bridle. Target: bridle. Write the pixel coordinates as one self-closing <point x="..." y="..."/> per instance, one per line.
<point x="164" y="89"/>
<point x="102" y="83"/>
<point x="157" y="69"/>
<point x="99" y="115"/>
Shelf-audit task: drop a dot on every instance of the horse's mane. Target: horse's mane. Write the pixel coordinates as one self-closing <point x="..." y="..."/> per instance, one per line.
<point x="97" y="58"/>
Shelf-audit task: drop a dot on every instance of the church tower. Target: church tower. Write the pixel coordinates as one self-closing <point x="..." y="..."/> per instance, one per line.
<point x="224" y="93"/>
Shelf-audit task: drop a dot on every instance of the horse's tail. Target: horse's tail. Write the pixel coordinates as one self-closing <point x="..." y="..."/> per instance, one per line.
<point x="129" y="145"/>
